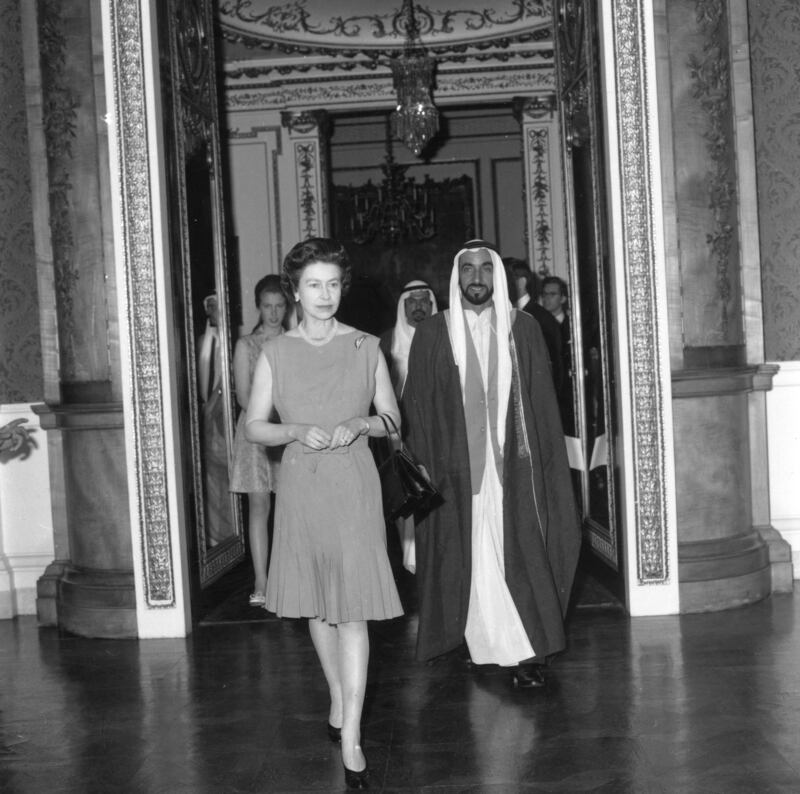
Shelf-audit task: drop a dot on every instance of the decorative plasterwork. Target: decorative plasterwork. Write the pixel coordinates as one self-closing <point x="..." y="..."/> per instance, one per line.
<point x="308" y="130"/>
<point x="306" y="161"/>
<point x="275" y="69"/>
<point x="144" y="371"/>
<point x="538" y="142"/>
<point x="365" y="25"/>
<point x="536" y="116"/>
<point x="644" y="353"/>
<point x="374" y="88"/>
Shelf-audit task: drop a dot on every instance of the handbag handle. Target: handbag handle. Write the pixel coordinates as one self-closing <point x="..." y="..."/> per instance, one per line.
<point x="385" y="418"/>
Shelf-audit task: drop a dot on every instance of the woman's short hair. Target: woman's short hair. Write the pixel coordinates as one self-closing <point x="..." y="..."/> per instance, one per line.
<point x="315" y="249"/>
<point x="271" y="283"/>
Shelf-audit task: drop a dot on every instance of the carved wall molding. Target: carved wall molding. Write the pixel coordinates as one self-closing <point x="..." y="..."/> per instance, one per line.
<point x="645" y="356"/>
<point x="307" y="162"/>
<point x="144" y="370"/>
<point x="538" y="142"/>
<point x="375" y="88"/>
<point x="309" y="129"/>
<point x="260" y="69"/>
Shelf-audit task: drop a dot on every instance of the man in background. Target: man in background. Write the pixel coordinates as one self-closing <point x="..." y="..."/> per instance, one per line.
<point x="555" y="301"/>
<point x="524" y="298"/>
<point x="415" y="304"/>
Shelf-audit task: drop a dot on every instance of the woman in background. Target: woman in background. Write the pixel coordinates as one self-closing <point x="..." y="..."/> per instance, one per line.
<point x="255" y="469"/>
<point x="329" y="561"/>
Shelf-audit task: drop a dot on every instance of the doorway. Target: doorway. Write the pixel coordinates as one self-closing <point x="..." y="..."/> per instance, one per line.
<point x="253" y="106"/>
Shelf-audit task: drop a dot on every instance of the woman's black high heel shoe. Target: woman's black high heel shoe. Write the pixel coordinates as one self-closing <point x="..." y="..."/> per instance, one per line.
<point x="359" y="780"/>
<point x="334" y="734"/>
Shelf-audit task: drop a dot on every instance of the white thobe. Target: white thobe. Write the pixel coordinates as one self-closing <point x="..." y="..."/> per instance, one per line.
<point x="494" y="632"/>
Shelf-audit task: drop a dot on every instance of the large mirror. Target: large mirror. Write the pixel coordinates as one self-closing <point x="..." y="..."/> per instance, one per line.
<point x="199" y="275"/>
<point x="217" y="508"/>
<point x="592" y="366"/>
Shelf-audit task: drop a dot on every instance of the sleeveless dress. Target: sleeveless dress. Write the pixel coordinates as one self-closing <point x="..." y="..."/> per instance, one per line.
<point x="255" y="467"/>
<point x="329" y="556"/>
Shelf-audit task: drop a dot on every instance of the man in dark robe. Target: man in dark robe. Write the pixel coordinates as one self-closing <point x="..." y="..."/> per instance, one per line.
<point x="495" y="562"/>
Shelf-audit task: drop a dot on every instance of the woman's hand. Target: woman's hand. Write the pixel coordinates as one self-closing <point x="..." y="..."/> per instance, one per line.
<point x="312" y="436"/>
<point x="347" y="432"/>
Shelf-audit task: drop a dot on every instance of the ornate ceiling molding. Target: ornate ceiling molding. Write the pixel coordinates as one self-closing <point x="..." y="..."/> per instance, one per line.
<point x="364" y="26"/>
<point x="373" y="88"/>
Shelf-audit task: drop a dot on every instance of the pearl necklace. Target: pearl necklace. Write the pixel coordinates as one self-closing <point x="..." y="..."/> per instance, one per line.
<point x="322" y="340"/>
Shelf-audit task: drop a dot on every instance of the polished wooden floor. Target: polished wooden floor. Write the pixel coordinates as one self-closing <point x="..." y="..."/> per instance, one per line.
<point x="701" y="703"/>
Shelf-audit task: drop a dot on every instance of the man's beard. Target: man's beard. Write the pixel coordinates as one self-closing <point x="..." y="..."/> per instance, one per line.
<point x="477" y="299"/>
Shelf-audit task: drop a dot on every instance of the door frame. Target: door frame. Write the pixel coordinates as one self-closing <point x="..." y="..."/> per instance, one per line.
<point x="150" y="405"/>
<point x="636" y="241"/>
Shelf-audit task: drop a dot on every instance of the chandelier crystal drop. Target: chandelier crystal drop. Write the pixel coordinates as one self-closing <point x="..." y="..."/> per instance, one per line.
<point x="415" y="120"/>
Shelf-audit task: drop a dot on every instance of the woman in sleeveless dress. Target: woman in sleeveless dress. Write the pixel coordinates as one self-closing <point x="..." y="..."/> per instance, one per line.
<point x="329" y="560"/>
<point x="254" y="469"/>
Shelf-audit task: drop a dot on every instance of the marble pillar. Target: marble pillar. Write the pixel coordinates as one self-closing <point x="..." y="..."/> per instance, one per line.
<point x="88" y="589"/>
<point x="728" y="553"/>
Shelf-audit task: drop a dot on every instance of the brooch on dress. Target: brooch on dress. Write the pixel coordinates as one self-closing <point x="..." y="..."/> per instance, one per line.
<point x="359" y="341"/>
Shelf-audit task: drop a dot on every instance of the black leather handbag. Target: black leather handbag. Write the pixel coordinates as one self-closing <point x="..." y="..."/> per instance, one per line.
<point x="405" y="484"/>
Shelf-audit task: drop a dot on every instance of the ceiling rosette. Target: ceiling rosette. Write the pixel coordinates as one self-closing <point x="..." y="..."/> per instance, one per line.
<point x="377" y="26"/>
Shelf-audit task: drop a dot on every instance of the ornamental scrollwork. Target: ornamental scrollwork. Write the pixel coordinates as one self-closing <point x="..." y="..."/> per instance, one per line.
<point x="306" y="159"/>
<point x="539" y="143"/>
<point x="710" y="73"/>
<point x="149" y="450"/>
<point x="645" y="354"/>
<point x="294" y="17"/>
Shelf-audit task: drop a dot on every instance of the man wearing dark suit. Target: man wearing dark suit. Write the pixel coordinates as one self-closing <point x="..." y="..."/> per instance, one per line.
<point x="554" y="300"/>
<point x="522" y="288"/>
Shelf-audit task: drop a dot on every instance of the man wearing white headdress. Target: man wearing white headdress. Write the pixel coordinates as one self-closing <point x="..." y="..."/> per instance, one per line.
<point x="495" y="562"/>
<point x="415" y="304"/>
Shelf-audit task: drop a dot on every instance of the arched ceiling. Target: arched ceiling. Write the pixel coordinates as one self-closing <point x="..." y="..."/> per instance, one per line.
<point x="375" y="27"/>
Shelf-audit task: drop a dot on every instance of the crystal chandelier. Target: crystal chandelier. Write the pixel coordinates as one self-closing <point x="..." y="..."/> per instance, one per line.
<point x="399" y="208"/>
<point x="415" y="119"/>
